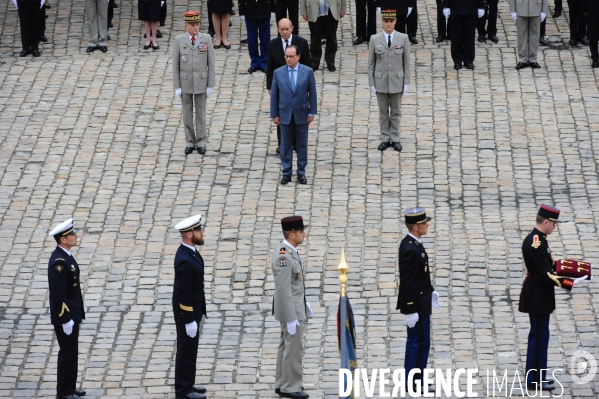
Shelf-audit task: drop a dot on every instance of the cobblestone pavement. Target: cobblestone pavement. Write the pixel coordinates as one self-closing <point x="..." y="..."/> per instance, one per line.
<point x="100" y="137"/>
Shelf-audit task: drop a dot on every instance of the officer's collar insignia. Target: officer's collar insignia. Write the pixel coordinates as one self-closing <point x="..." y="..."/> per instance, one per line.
<point x="283" y="251"/>
<point x="536" y="243"/>
<point x="58" y="268"/>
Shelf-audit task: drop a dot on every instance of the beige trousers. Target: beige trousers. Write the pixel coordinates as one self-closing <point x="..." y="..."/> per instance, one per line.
<point x="289" y="360"/>
<point x="389" y="116"/>
<point x="529" y="29"/>
<point x="197" y="139"/>
<point x="97" y="17"/>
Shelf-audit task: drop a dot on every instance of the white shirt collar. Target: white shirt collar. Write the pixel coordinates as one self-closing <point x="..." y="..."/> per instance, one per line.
<point x="386" y="36"/>
<point x="288" y="41"/>
<point x="196" y="37"/>
<point x="296" y="68"/>
<point x="66" y="250"/>
<point x="289" y="245"/>
<point x="189" y="246"/>
<point x="417" y="239"/>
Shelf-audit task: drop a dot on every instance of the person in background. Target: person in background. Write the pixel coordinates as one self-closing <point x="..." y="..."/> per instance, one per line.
<point x="29" y="18"/>
<point x="590" y="8"/>
<point x="487" y="25"/>
<point x="464" y="16"/>
<point x="365" y="30"/>
<point x="323" y="17"/>
<point x="221" y="14"/>
<point x="149" y="12"/>
<point x="288" y="9"/>
<point x="257" y="16"/>
<point x="528" y="16"/>
<point x="97" y="17"/>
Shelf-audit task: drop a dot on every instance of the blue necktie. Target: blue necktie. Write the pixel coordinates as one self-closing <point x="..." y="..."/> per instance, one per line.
<point x="292" y="80"/>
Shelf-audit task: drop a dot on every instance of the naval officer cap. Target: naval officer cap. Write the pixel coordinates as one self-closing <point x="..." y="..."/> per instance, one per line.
<point x="63" y="229"/>
<point x="416" y="216"/>
<point x="189" y="224"/>
<point x="549" y="212"/>
<point x="292" y="223"/>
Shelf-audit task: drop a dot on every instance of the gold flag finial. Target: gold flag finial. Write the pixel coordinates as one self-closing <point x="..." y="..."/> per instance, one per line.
<point x="343" y="268"/>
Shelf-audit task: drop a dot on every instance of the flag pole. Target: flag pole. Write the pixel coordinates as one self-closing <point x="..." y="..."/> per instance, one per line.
<point x="343" y="268"/>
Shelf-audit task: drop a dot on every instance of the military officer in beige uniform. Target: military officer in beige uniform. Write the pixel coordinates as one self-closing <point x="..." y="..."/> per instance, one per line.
<point x="193" y="79"/>
<point x="290" y="308"/>
<point x="528" y="15"/>
<point x="389" y="77"/>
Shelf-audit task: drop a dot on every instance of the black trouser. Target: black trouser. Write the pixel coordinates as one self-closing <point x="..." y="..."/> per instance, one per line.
<point x="578" y="21"/>
<point x="210" y="24"/>
<point x="42" y="22"/>
<point x="110" y="14"/>
<point x="412" y="21"/>
<point x="185" y="360"/>
<point x="283" y="6"/>
<point x="68" y="354"/>
<point x="543" y="26"/>
<point x="442" y="30"/>
<point x="279" y="137"/>
<point x="29" y="15"/>
<point x="363" y="8"/>
<point x="328" y="25"/>
<point x="462" y="38"/>
<point x="594" y="50"/>
<point x="163" y="13"/>
<point x="400" y="24"/>
<point x="491" y="17"/>
<point x="558" y="5"/>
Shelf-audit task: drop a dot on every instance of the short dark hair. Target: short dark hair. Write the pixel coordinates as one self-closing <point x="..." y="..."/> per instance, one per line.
<point x="57" y="238"/>
<point x="297" y="51"/>
<point x="287" y="233"/>
<point x="541" y="219"/>
<point x="410" y="226"/>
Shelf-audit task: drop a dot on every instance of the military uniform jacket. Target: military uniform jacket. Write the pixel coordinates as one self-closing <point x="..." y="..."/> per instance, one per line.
<point x="311" y="8"/>
<point x="257" y="9"/>
<point x="415" y="288"/>
<point x="465" y="7"/>
<point x="389" y="68"/>
<point x="529" y="8"/>
<point x="538" y="295"/>
<point x="193" y="66"/>
<point x="66" y="301"/>
<point x="189" y="301"/>
<point x="289" y="301"/>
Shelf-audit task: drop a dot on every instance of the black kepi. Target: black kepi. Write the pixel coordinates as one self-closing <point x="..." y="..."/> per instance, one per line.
<point x="549" y="212"/>
<point x="292" y="223"/>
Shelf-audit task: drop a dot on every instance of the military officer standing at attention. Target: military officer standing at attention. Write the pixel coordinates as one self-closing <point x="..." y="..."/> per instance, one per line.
<point x="537" y="297"/>
<point x="290" y="308"/>
<point x="528" y="15"/>
<point x="193" y="79"/>
<point x="66" y="308"/>
<point x="416" y="296"/>
<point x="189" y="304"/>
<point x="389" y="77"/>
<point x="464" y="14"/>
<point x="487" y="25"/>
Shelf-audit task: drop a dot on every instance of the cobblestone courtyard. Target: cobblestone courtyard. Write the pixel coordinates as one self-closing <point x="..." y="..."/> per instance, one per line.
<point x="100" y="137"/>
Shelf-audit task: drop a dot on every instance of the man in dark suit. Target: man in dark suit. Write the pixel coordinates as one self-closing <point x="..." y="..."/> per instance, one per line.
<point x="578" y="23"/>
<point x="189" y="305"/>
<point x="256" y="15"/>
<point x="537" y="297"/>
<point x="416" y="296"/>
<point x="443" y="24"/>
<point x="412" y="23"/>
<point x="29" y="17"/>
<point x="590" y="9"/>
<point x="403" y="8"/>
<point x="464" y="14"/>
<point x="364" y="30"/>
<point x="66" y="308"/>
<point x="289" y="9"/>
<point x="487" y="25"/>
<point x="293" y="106"/>
<point x="276" y="57"/>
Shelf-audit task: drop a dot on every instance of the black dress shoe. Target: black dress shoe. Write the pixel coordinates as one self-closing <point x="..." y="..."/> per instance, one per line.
<point x="457" y="67"/>
<point x="285" y="179"/>
<point x="147" y="47"/>
<point x="278" y="149"/>
<point x="263" y="69"/>
<point x="36" y="53"/>
<point x="331" y="68"/>
<point x="188" y="150"/>
<point x="103" y="49"/>
<point x="199" y="389"/>
<point x="595" y="64"/>
<point x="482" y="38"/>
<point x="396" y="146"/>
<point x="572" y="42"/>
<point x="358" y="40"/>
<point x="79" y="392"/>
<point x="440" y="39"/>
<point x="156" y="47"/>
<point x="162" y="23"/>
<point x="110" y="25"/>
<point x="521" y="65"/>
<point x="413" y="40"/>
<point x="158" y="33"/>
<point x="469" y="65"/>
<point x="556" y="13"/>
<point x="90" y="49"/>
<point x="192" y="395"/>
<point x="44" y="39"/>
<point x="549" y="380"/>
<point x="114" y="5"/>
<point x="295" y="395"/>
<point x="201" y="150"/>
<point x="244" y="41"/>
<point x="107" y="37"/>
<point x="540" y="387"/>
<point x="494" y="39"/>
<point x="542" y="41"/>
<point x="252" y="69"/>
<point x="584" y="41"/>
<point x="534" y="65"/>
<point x="302" y="179"/>
<point x="68" y="397"/>
<point x="24" y="53"/>
<point x="384" y="146"/>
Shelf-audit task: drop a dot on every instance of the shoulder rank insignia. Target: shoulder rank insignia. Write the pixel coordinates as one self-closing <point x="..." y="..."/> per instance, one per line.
<point x="536" y="243"/>
<point x="423" y="255"/>
<point x="282" y="262"/>
<point x="58" y="268"/>
<point x="282" y="251"/>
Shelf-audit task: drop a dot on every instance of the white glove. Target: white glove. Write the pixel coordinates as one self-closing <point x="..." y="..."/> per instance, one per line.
<point x="309" y="309"/>
<point x="378" y="9"/>
<point x="405" y="88"/>
<point x="162" y="4"/>
<point x="514" y="16"/>
<point x="435" y="299"/>
<point x="15" y="3"/>
<point x="209" y="91"/>
<point x="191" y="329"/>
<point x="178" y="94"/>
<point x="446" y="12"/>
<point x="373" y="90"/>
<point x="243" y="18"/>
<point x="579" y="281"/>
<point x="42" y="4"/>
<point x="412" y="319"/>
<point x="291" y="326"/>
<point x="543" y="16"/>
<point x="68" y="327"/>
<point x="409" y="11"/>
<point x="481" y="12"/>
<point x="272" y="15"/>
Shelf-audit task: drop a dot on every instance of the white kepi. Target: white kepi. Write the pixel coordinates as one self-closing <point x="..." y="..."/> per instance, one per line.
<point x="63" y="228"/>
<point x="189" y="224"/>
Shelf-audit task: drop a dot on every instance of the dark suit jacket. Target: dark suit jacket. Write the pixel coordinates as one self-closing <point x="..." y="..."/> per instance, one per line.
<point x="257" y="9"/>
<point x="415" y="288"/>
<point x="189" y="302"/>
<point x="464" y="7"/>
<point x="298" y="104"/>
<point x="66" y="301"/>
<point x="276" y="56"/>
<point x="400" y="6"/>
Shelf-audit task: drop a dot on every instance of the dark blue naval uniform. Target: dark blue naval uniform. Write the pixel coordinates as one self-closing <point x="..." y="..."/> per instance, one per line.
<point x="189" y="304"/>
<point x="66" y="303"/>
<point x="537" y="298"/>
<point x="415" y="296"/>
